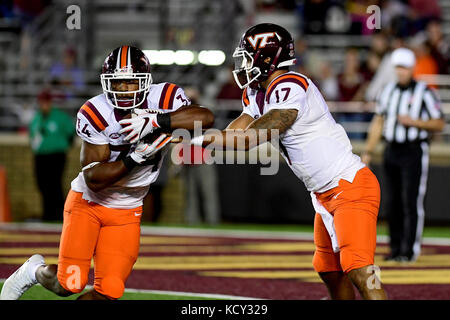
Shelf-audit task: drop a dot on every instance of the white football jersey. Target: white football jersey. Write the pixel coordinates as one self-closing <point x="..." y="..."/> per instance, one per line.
<point x="316" y="148"/>
<point x="98" y="123"/>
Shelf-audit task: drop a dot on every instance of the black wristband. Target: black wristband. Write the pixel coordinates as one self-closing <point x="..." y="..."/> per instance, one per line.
<point x="129" y="163"/>
<point x="163" y="120"/>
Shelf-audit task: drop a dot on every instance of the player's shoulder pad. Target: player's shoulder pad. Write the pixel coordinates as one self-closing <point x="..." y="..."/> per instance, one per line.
<point x="290" y="78"/>
<point x="92" y="114"/>
<point x="167" y="95"/>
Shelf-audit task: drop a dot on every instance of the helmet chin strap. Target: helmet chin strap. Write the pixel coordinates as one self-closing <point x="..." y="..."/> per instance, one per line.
<point x="272" y="68"/>
<point x="274" y="62"/>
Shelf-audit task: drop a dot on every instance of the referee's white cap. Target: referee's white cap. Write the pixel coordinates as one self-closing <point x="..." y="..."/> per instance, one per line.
<point x="403" y="57"/>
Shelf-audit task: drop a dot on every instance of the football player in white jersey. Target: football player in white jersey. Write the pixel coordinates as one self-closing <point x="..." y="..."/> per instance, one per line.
<point x="345" y="193"/>
<point x="124" y="132"/>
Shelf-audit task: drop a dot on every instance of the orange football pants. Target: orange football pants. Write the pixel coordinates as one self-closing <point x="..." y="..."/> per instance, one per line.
<point x="355" y="210"/>
<point x="110" y="236"/>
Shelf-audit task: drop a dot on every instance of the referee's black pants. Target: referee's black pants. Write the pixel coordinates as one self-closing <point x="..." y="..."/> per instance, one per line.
<point x="49" y="170"/>
<point x="406" y="173"/>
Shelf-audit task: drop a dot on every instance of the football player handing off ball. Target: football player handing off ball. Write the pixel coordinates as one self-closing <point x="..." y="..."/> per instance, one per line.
<point x="344" y="192"/>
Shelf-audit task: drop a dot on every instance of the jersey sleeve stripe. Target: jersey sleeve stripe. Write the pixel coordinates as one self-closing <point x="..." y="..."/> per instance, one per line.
<point x="97" y="113"/>
<point x="163" y="94"/>
<point x="168" y="99"/>
<point x="172" y="96"/>
<point x="287" y="78"/>
<point x="94" y="117"/>
<point x="245" y="98"/>
<point x="123" y="57"/>
<point x="89" y="118"/>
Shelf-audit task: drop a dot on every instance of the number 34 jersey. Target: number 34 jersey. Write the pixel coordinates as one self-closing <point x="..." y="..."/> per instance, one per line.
<point x="315" y="147"/>
<point x="98" y="123"/>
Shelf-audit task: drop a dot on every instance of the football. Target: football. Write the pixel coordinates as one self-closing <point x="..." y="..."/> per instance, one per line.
<point x="151" y="136"/>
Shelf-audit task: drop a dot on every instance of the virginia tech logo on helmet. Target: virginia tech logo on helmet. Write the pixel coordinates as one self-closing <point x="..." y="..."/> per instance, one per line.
<point x="262" y="38"/>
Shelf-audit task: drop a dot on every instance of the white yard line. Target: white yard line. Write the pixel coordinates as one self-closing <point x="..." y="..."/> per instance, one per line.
<point x="191" y="294"/>
<point x="179" y="293"/>
<point x="180" y="231"/>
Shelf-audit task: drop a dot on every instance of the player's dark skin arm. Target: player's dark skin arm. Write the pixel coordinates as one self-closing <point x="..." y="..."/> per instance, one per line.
<point x="103" y="174"/>
<point x="276" y="119"/>
<point x="240" y="123"/>
<point x="185" y="117"/>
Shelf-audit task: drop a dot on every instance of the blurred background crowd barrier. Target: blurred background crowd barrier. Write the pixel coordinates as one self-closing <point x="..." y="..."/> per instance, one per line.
<point x="60" y="46"/>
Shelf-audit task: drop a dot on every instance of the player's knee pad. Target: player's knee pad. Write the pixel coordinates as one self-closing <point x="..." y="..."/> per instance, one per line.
<point x="72" y="278"/>
<point x="354" y="260"/>
<point x="111" y="286"/>
<point x="318" y="262"/>
<point x="325" y="262"/>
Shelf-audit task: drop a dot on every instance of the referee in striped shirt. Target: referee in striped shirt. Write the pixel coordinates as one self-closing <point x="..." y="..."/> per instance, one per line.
<point x="407" y="113"/>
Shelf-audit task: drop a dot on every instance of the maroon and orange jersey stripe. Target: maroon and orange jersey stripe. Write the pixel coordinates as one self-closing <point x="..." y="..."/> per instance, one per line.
<point x="245" y="99"/>
<point x="124" y="56"/>
<point x="93" y="116"/>
<point x="167" y="96"/>
<point x="288" y="77"/>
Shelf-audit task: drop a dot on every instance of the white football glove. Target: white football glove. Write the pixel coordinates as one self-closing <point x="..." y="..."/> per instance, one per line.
<point x="139" y="125"/>
<point x="144" y="150"/>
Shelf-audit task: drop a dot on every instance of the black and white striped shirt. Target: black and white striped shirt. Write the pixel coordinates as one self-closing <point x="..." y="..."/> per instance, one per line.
<point x="416" y="100"/>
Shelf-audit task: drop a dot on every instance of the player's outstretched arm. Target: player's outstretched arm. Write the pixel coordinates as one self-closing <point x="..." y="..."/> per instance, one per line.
<point x="275" y="119"/>
<point x="241" y="122"/>
<point x="146" y="122"/>
<point x="257" y="132"/>
<point x="185" y="117"/>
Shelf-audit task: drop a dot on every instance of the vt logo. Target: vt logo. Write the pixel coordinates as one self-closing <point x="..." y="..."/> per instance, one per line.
<point x="262" y="38"/>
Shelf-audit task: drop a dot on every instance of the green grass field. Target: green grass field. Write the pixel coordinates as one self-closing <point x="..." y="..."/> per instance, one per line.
<point x="40" y="293"/>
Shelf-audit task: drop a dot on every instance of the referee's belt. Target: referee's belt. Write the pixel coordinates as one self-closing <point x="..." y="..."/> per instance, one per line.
<point x="407" y="143"/>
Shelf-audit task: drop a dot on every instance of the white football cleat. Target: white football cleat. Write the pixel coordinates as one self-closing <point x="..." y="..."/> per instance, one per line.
<point x="21" y="280"/>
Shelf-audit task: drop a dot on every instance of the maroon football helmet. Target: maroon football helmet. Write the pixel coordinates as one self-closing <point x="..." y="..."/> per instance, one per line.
<point x="262" y="49"/>
<point x="126" y="64"/>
